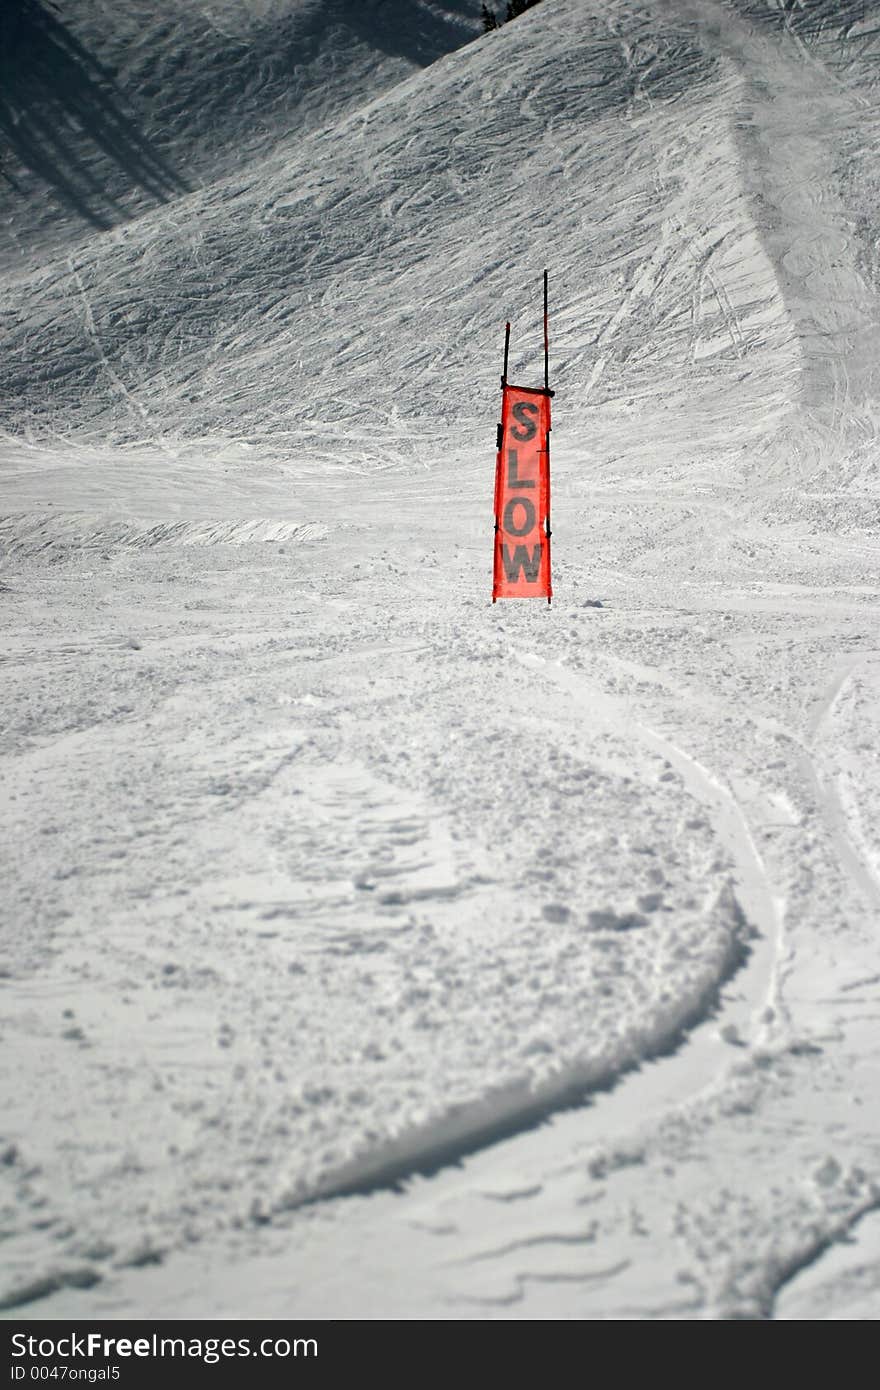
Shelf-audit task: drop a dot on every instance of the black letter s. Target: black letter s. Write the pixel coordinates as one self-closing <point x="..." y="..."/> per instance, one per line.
<point x="530" y="429"/>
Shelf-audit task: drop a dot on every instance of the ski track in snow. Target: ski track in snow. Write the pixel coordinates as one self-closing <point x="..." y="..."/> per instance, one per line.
<point x="369" y="950"/>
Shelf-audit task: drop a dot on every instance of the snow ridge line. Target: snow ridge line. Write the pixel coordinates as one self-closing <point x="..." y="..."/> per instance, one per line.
<point x="765" y="913"/>
<point x="855" y="862"/>
<point x="29" y="534"/>
<point x="520" y="1105"/>
<point x="812" y="1251"/>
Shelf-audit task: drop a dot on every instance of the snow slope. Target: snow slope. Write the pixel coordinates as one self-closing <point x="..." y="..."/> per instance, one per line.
<point x="109" y="111"/>
<point x="322" y="871"/>
<point x="258" y="309"/>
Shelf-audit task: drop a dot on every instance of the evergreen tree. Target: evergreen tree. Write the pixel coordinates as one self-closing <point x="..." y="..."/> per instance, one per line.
<point x="514" y="9"/>
<point x="518" y="7"/>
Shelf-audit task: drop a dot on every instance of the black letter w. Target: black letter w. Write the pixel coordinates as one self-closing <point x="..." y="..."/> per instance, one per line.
<point x="520" y="561"/>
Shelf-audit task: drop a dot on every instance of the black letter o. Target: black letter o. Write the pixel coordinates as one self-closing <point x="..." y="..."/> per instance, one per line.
<point x="507" y="520"/>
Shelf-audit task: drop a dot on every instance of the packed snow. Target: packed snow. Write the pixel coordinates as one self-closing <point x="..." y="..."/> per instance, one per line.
<point x="369" y="949"/>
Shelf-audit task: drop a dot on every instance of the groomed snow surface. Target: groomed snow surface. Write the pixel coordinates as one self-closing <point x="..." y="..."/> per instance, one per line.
<point x="369" y="950"/>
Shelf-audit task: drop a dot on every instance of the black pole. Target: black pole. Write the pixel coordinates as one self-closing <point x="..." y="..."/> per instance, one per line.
<point x="500" y="435"/>
<point x="504" y="379"/>
<point x="546" y="340"/>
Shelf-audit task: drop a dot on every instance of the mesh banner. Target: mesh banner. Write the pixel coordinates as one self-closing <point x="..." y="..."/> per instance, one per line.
<point x="522" y="496"/>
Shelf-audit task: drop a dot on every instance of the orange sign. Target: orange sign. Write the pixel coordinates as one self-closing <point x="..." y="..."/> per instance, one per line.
<point x="522" y="496"/>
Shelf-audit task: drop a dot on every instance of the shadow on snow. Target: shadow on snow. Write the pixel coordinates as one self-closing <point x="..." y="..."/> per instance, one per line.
<point x="52" y="91"/>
